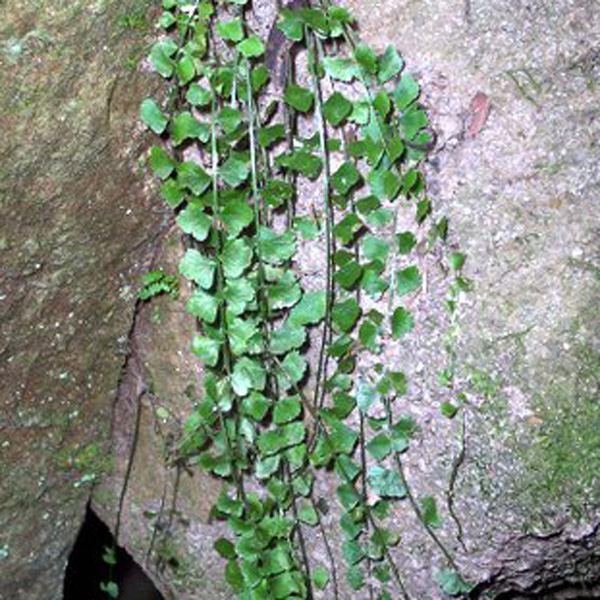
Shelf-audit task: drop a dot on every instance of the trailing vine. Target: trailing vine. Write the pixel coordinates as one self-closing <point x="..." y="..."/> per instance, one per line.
<point x="293" y="382"/>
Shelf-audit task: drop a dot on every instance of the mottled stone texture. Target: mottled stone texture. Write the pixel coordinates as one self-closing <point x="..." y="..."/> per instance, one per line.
<point x="520" y="185"/>
<point x="76" y="226"/>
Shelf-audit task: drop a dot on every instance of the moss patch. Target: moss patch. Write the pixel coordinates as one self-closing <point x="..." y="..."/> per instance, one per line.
<point x="564" y="459"/>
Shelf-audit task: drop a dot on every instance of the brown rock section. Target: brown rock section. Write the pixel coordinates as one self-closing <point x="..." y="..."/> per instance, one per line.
<point x="76" y="228"/>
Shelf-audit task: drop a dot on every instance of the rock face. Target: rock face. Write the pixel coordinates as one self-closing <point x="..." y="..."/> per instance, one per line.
<point x="76" y="227"/>
<point x="512" y="91"/>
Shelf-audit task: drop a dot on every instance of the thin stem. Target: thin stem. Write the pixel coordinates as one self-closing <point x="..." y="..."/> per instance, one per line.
<point x="312" y="410"/>
<point x="412" y="500"/>
<point x="323" y="357"/>
<point x="217" y="238"/>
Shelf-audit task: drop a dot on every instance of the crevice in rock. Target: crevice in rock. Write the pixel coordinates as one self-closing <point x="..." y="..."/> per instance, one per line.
<point x="559" y="566"/>
<point x="86" y="570"/>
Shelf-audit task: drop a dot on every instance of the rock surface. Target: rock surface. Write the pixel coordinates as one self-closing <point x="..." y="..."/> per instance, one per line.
<point x="512" y="91"/>
<point x="77" y="225"/>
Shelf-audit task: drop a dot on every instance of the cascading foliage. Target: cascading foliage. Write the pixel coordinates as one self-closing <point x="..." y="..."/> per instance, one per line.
<point x="238" y="142"/>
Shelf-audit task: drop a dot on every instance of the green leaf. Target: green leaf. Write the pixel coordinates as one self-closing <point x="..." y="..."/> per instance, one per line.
<point x="336" y="109"/>
<point x="375" y="248"/>
<point x="172" y="193"/>
<point x="277" y="192"/>
<point x="152" y="116"/>
<point x="345" y="314"/>
<point x="285" y="585"/>
<point x="456" y="260"/>
<point x="347" y="228"/>
<point x="291" y="25"/>
<point x="368" y="334"/>
<point x="448" y="410"/>
<point x="197" y="268"/>
<point x="259" y="77"/>
<point x="345" y="178"/>
<point x="256" y="406"/>
<point x="355" y="576"/>
<point x="236" y="215"/>
<point x="206" y="349"/>
<point x="247" y="375"/>
<point x="238" y="293"/>
<point x="412" y="182"/>
<point x="430" y="513"/>
<point x="386" y="483"/>
<point x="366" y="58"/>
<point x="234" y="577"/>
<point x="298" y="97"/>
<point x="229" y="119"/>
<point x="192" y="176"/>
<point x="361" y="113"/>
<point x="277" y="560"/>
<point x="186" y="126"/>
<point x="110" y="555"/>
<point x="302" y="162"/>
<point x="307" y="227"/>
<point x="307" y="514"/>
<point x="368" y="204"/>
<point x="275" y="440"/>
<point x="452" y="583"/>
<point x="366" y="396"/>
<point x="162" y="164"/>
<point x="348" y="275"/>
<point x="186" y="70"/>
<point x="342" y="439"/>
<point x="310" y="310"/>
<point x="198" y="95"/>
<point x="264" y="468"/>
<point x="231" y="30"/>
<point x="393" y="381"/>
<point x="402" y="322"/>
<point x="252" y="46"/>
<point x="350" y="526"/>
<point x="234" y="171"/>
<point x="422" y="211"/>
<point x="380" y="446"/>
<point x="315" y="19"/>
<point x="275" y="249"/>
<point x="342" y="69"/>
<point x="320" y="577"/>
<point x="352" y="552"/>
<point x="412" y="122"/>
<point x="285" y="293"/>
<point x="160" y="57"/>
<point x="372" y="283"/>
<point x="402" y="432"/>
<point x="348" y="496"/>
<point x="203" y="305"/>
<point x="269" y="135"/>
<point x="292" y="370"/>
<point x="236" y="257"/>
<point x="205" y="10"/>
<point x="406" y="92"/>
<point x="225" y="548"/>
<point x="110" y="587"/>
<point x="390" y="64"/>
<point x="286" y="410"/>
<point x="395" y="148"/>
<point x="382" y="104"/>
<point x="406" y="242"/>
<point x="408" y="280"/>
<point x="244" y="336"/>
<point x="288" y="337"/>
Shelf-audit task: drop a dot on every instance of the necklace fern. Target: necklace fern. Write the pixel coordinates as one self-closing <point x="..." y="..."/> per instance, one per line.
<point x="293" y="382"/>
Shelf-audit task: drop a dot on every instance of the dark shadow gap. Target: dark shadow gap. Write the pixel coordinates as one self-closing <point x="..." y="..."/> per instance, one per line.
<point x="86" y="570"/>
